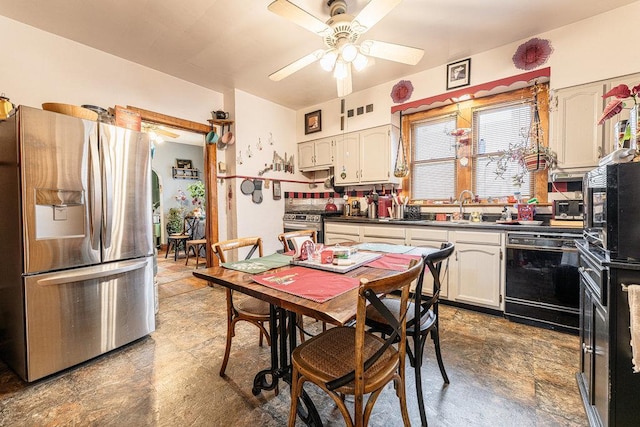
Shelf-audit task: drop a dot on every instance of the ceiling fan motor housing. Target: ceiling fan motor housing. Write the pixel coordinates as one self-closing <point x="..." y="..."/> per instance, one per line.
<point x="337" y="7"/>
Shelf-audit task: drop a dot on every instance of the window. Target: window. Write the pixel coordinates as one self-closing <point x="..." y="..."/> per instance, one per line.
<point x="443" y="165"/>
<point x="495" y="130"/>
<point x="434" y="159"/>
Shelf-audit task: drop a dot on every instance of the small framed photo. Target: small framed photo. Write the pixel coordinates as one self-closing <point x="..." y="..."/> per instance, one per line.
<point x="277" y="191"/>
<point x="313" y="122"/>
<point x="459" y="74"/>
<point x="183" y="164"/>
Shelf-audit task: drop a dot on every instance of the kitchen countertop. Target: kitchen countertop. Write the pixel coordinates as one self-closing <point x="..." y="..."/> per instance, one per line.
<point x="484" y="225"/>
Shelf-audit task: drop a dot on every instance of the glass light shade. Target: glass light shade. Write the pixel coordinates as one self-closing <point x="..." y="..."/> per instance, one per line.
<point x="340" y="71"/>
<point x="360" y="62"/>
<point x="328" y="60"/>
<point x="349" y="52"/>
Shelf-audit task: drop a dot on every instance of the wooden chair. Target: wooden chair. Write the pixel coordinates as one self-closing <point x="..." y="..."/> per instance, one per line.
<point x="345" y="360"/>
<point x="286" y="239"/>
<point x="426" y="310"/>
<point x="177" y="242"/>
<point x="196" y="242"/>
<point x="242" y="308"/>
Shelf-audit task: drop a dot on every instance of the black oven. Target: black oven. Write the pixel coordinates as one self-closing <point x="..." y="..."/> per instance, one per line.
<point x="612" y="207"/>
<point x="542" y="283"/>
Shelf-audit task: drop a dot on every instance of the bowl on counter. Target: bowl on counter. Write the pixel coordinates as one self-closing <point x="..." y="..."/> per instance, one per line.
<point x="530" y="222"/>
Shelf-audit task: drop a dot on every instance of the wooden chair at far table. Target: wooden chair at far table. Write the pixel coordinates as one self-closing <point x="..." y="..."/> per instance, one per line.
<point x="425" y="310"/>
<point x="196" y="242"/>
<point x="242" y="307"/>
<point x="346" y="360"/>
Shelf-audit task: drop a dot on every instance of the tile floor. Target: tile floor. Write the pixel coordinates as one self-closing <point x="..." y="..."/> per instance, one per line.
<point x="502" y="374"/>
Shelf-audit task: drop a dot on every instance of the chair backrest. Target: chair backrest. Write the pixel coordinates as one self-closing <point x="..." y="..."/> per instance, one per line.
<point x="286" y="238"/>
<point x="220" y="248"/>
<point x="433" y="263"/>
<point x="190" y="228"/>
<point x="368" y="295"/>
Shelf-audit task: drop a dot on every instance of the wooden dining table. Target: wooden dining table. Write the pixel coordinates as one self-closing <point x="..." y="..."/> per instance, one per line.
<point x="284" y="309"/>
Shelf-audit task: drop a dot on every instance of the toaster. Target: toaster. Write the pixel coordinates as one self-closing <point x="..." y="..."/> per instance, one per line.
<point x="568" y="210"/>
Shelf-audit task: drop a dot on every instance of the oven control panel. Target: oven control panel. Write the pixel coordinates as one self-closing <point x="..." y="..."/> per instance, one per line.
<point x="302" y="217"/>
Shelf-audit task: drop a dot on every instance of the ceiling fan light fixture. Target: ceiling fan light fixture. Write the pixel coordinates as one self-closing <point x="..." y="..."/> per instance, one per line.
<point x="349" y="52"/>
<point x="360" y="62"/>
<point x="328" y="61"/>
<point x="341" y="69"/>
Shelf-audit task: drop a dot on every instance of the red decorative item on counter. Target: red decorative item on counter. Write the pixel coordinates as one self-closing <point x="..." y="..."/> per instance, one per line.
<point x="526" y="212"/>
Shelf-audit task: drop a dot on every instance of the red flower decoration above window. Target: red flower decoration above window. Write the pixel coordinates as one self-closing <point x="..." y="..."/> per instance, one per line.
<point x="532" y="54"/>
<point x="401" y="91"/>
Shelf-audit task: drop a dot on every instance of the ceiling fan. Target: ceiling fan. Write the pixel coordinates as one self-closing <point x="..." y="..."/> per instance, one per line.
<point x="340" y="34"/>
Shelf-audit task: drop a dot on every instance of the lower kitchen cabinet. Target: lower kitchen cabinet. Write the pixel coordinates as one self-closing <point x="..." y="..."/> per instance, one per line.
<point x="382" y="234"/>
<point x="429" y="237"/>
<point x="476" y="269"/>
<point x="335" y="232"/>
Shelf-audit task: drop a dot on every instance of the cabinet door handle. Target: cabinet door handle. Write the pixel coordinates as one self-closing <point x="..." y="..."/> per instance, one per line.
<point x="585" y="270"/>
<point x="587" y="348"/>
<point x="599" y="152"/>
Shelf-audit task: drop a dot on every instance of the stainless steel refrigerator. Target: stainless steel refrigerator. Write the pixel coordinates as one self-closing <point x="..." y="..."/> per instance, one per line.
<point x="76" y="255"/>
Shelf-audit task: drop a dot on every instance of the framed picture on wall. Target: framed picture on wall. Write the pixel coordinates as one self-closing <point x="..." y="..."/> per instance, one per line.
<point x="277" y="191"/>
<point x="459" y="74"/>
<point x="313" y="122"/>
<point x="183" y="164"/>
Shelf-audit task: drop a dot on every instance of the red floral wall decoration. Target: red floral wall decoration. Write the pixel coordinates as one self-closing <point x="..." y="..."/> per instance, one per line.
<point x="532" y="54"/>
<point x="401" y="91"/>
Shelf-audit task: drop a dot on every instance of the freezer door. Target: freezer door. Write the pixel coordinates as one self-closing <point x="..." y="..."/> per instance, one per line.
<point x="61" y="227"/>
<point x="127" y="230"/>
<point x="75" y="315"/>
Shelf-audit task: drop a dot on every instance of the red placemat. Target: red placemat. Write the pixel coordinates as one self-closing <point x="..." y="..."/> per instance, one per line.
<point x="316" y="285"/>
<point x="396" y="262"/>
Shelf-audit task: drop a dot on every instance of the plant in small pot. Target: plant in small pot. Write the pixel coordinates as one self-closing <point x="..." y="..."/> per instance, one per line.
<point x="197" y="192"/>
<point x="530" y="153"/>
<point x="175" y="221"/>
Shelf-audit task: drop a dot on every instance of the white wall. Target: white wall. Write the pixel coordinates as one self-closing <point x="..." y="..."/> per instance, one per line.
<point x="41" y="67"/>
<point x="593" y="49"/>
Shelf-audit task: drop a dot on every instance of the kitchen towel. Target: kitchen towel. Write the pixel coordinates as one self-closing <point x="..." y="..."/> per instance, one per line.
<point x="633" y="294"/>
<point x="259" y="265"/>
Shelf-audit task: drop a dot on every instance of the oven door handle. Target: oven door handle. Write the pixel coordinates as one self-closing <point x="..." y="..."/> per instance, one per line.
<point x="298" y="226"/>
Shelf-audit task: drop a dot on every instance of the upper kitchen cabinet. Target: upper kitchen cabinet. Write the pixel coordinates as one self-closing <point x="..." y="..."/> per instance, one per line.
<point x="575" y="135"/>
<point x="316" y="155"/>
<point x="366" y="157"/>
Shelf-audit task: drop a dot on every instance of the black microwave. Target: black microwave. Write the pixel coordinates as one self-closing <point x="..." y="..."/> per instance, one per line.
<point x="612" y="209"/>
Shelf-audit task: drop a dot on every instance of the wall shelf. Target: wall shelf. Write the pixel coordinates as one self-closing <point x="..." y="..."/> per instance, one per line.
<point x="183" y="173"/>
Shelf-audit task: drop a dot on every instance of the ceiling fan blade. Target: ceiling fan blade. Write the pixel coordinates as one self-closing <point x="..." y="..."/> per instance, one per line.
<point x="300" y="16"/>
<point x="392" y="52"/>
<point x="345" y="84"/>
<point x="373" y="12"/>
<point x="296" y="65"/>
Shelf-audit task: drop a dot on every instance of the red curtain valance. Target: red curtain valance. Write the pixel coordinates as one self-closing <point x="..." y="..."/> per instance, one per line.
<point x="542" y="75"/>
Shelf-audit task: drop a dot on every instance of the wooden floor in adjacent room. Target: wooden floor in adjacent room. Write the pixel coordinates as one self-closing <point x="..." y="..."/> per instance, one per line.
<point x="502" y="374"/>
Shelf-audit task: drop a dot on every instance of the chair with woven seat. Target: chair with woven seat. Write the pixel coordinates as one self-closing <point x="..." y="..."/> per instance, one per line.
<point x="177" y="241"/>
<point x="426" y="310"/>
<point x="197" y="242"/>
<point x="242" y="307"/>
<point x="287" y="238"/>
<point x="351" y="361"/>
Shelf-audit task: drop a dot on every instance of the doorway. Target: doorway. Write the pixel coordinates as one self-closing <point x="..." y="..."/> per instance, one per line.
<point x="156" y="203"/>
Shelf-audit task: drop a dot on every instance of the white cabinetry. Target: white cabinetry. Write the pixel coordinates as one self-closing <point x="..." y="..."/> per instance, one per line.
<point x="575" y="135"/>
<point x="366" y="157"/>
<point x="315" y="155"/>
<point x="476" y="269"/>
<point x="335" y="232"/>
<point x="431" y="238"/>
<point x="382" y="234"/>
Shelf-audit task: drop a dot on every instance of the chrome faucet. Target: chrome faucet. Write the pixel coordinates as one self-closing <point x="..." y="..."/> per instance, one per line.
<point x="461" y="200"/>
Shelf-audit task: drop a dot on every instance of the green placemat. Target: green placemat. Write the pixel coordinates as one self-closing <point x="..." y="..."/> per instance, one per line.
<point x="259" y="265"/>
<point x="384" y="247"/>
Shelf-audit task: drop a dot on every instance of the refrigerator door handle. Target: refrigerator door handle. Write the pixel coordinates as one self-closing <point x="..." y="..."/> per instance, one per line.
<point x="95" y="199"/>
<point x="92" y="273"/>
<point x="107" y="181"/>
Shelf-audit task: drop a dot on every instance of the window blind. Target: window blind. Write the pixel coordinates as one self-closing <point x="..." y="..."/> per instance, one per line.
<point x="434" y="159"/>
<point x="495" y="130"/>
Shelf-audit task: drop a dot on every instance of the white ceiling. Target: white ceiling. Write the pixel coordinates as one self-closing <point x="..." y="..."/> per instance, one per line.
<point x="225" y="44"/>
